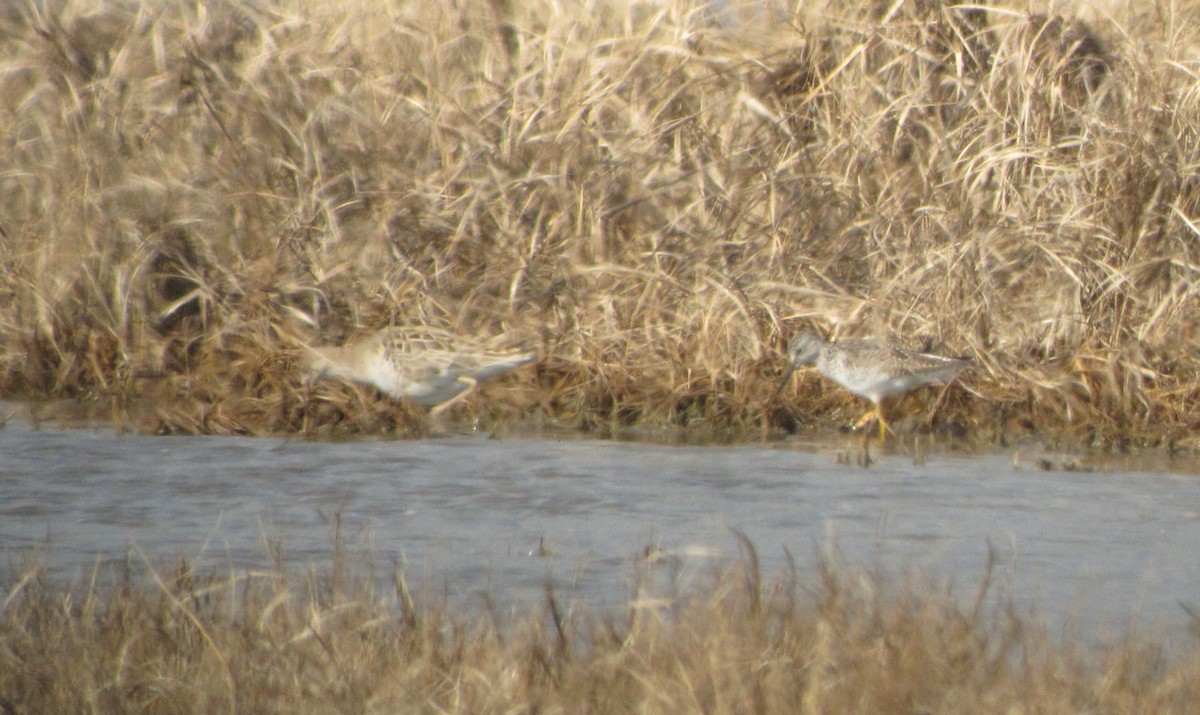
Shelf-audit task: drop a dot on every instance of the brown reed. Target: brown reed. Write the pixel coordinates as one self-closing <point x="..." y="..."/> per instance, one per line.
<point x="656" y="194"/>
<point x="135" y="639"/>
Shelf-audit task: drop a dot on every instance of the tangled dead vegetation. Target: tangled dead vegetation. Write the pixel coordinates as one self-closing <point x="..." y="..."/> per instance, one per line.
<point x="655" y="194"/>
<point x="130" y="638"/>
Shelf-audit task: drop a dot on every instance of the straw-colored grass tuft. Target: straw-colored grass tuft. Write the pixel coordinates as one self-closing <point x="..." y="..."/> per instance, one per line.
<point x="657" y="194"/>
<point x="139" y="640"/>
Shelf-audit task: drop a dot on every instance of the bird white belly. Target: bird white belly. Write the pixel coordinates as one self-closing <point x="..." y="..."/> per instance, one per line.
<point x="870" y="383"/>
<point x="433" y="392"/>
<point x="386" y="377"/>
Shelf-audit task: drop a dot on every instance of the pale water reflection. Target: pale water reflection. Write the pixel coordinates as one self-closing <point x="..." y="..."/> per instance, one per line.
<point x="467" y="515"/>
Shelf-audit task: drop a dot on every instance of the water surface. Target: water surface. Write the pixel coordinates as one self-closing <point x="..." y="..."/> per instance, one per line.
<point x="471" y="515"/>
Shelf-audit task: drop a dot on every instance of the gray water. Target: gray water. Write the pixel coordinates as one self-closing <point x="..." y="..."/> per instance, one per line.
<point x="1103" y="551"/>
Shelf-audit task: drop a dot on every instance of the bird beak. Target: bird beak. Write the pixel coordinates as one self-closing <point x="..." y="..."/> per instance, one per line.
<point x="787" y="375"/>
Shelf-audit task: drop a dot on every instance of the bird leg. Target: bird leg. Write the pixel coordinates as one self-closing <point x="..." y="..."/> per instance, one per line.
<point x="876" y="413"/>
<point x="471" y="384"/>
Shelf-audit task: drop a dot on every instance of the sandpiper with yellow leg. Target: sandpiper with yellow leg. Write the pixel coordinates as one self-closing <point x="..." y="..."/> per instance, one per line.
<point x="870" y="368"/>
<point x="424" y="365"/>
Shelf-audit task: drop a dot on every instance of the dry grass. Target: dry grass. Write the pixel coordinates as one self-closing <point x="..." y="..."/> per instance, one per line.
<point x="134" y="640"/>
<point x="655" y="196"/>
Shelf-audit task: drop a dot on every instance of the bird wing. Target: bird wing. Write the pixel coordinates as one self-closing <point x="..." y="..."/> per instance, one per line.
<point x="426" y="354"/>
<point x="921" y="368"/>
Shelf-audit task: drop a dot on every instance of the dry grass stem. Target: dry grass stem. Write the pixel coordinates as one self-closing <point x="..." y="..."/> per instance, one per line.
<point x="134" y="639"/>
<point x="655" y="195"/>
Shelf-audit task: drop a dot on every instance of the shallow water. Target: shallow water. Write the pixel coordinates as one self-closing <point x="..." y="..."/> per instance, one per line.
<point x="1093" y="551"/>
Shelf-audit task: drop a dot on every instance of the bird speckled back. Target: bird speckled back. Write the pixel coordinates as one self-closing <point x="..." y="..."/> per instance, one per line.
<point x="875" y="370"/>
<point x="426" y="365"/>
<point x="869" y="368"/>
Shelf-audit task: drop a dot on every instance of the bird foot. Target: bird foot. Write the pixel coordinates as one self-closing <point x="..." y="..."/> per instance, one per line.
<point x="873" y="416"/>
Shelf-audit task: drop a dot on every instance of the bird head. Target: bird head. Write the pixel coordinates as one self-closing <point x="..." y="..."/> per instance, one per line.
<point x="803" y="349"/>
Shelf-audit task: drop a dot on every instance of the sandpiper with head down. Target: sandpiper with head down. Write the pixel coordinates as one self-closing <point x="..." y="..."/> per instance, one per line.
<point x="425" y="365"/>
<point x="870" y="368"/>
